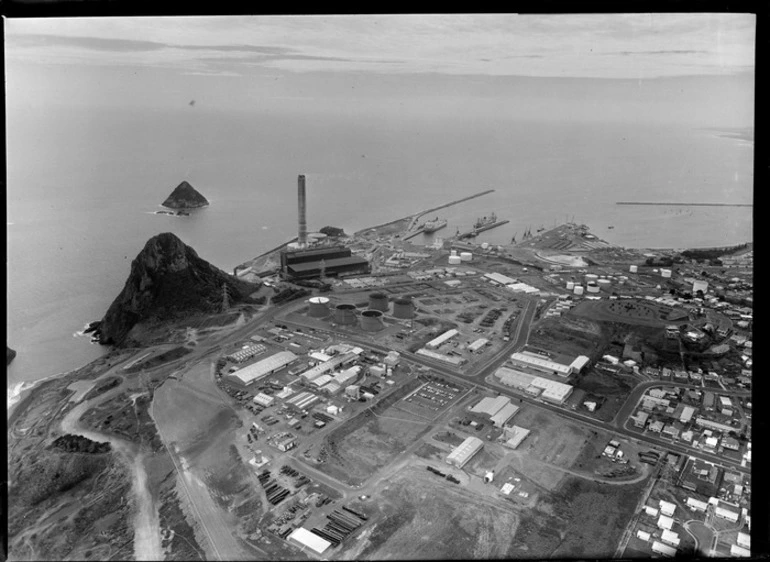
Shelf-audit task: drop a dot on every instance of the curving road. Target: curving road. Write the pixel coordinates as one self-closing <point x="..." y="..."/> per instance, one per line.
<point x="147" y="540"/>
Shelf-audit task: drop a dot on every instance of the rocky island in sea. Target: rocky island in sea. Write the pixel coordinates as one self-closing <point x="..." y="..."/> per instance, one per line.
<point x="10" y="354"/>
<point x="168" y="281"/>
<point x="185" y="196"/>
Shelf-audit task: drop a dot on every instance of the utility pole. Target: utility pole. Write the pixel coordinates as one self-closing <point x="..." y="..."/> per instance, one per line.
<point x="225" y="298"/>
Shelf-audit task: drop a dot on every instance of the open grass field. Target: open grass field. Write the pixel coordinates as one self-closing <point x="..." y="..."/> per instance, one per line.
<point x="572" y="335"/>
<point x="423" y="517"/>
<point x="628" y="311"/>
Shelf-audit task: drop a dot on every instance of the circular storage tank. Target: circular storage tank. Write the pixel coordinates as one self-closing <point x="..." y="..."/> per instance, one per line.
<point x="605" y="284"/>
<point x="454" y="260"/>
<point x="665" y="273"/>
<point x="378" y="301"/>
<point x="570" y="285"/>
<point x="633" y="268"/>
<point x="345" y="314"/>
<point x="319" y="307"/>
<point x="593" y="288"/>
<point x="466" y="256"/>
<point x="371" y="321"/>
<point x="453" y="253"/>
<point x="578" y="290"/>
<point x="403" y="308"/>
<point x="591" y="277"/>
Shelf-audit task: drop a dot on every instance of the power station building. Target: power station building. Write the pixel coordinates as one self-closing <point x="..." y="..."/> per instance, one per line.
<point x="304" y="263"/>
<point x="332" y="261"/>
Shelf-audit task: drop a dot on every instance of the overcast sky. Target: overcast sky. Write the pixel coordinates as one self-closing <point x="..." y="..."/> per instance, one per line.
<point x="157" y="61"/>
<point x="606" y="46"/>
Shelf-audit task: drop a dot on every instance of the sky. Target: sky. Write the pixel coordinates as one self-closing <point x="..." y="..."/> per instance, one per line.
<point x="559" y="65"/>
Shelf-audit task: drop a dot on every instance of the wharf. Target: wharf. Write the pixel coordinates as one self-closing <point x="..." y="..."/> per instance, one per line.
<point x="413" y="234"/>
<point x="481" y="229"/>
<point x="414" y="218"/>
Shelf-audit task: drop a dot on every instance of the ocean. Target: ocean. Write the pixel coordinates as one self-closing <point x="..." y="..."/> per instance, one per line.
<point x="83" y="186"/>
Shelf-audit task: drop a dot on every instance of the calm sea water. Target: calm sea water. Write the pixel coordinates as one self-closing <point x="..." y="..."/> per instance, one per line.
<point x="83" y="187"/>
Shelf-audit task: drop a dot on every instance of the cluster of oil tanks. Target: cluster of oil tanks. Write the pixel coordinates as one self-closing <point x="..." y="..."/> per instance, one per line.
<point x="455" y="259"/>
<point x="371" y="319"/>
<point x="595" y="284"/>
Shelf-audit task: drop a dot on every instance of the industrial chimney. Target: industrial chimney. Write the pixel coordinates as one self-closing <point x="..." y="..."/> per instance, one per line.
<point x="302" y="235"/>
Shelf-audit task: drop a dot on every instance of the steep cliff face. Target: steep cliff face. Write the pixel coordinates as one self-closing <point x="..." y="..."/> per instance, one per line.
<point x="168" y="281"/>
<point x="185" y="196"/>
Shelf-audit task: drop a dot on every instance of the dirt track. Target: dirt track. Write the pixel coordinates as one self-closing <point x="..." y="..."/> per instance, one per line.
<point x="147" y="542"/>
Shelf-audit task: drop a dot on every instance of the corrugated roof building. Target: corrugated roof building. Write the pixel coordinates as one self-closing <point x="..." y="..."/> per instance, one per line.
<point x="465" y="451"/>
<point x="262" y="368"/>
<point x="504" y="414"/>
<point x="490" y="406"/>
<point x="303" y="538"/>
<point x="660" y="548"/>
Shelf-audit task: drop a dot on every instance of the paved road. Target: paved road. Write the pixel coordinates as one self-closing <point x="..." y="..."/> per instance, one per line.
<point x="558" y="410"/>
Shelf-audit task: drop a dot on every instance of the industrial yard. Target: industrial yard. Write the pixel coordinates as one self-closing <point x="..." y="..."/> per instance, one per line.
<point x="504" y="376"/>
<point x="543" y="396"/>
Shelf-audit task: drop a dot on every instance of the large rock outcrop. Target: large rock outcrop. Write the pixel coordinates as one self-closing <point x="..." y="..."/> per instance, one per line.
<point x="185" y="196"/>
<point x="168" y="281"/>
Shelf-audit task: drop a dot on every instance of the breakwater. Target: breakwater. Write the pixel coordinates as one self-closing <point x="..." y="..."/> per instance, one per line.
<point x="685" y="204"/>
<point x="414" y="218"/>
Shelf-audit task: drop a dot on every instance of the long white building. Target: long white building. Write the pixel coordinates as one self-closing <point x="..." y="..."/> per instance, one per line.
<point x="446" y="336"/>
<point x="451" y="359"/>
<point x="328" y="366"/>
<point x="538" y="363"/>
<point x="552" y="391"/>
<point x="262" y="368"/>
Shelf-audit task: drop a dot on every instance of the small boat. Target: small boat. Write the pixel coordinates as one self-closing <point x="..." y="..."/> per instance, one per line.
<point x="610" y="227"/>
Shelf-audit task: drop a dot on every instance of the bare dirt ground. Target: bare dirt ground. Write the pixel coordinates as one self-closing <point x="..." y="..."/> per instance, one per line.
<point x="364" y="451"/>
<point x="198" y="428"/>
<point x="580" y="519"/>
<point x="422" y="517"/>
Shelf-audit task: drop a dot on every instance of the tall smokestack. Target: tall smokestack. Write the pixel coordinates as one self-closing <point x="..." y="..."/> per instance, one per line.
<point x="302" y="235"/>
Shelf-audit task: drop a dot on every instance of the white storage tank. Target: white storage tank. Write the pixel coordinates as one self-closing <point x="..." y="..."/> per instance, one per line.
<point x="570" y="285"/>
<point x="453" y="252"/>
<point x="484" y="245"/>
<point x="593" y="288"/>
<point x="605" y="284"/>
<point x="578" y="290"/>
<point x="454" y="260"/>
<point x="466" y="256"/>
<point x="591" y="277"/>
<point x="665" y="273"/>
<point x="633" y="268"/>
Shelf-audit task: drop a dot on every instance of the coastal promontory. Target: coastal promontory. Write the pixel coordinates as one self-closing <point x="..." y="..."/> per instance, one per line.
<point x="168" y="281"/>
<point x="185" y="196"/>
